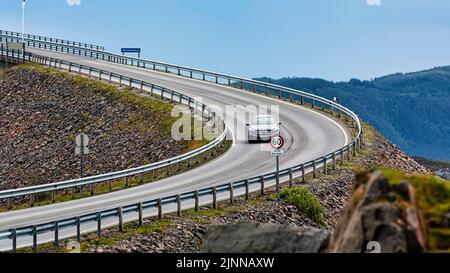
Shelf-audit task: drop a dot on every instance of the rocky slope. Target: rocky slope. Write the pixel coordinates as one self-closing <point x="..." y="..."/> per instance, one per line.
<point x="42" y="111"/>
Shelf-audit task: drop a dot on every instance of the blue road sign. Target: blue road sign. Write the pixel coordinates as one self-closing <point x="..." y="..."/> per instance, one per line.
<point x="131" y="50"/>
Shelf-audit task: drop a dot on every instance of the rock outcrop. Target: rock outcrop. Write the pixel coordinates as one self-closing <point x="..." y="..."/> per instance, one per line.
<point x="381" y="212"/>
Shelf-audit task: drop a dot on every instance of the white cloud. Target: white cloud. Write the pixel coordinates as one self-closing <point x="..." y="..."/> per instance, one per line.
<point x="374" y="2"/>
<point x="73" y="2"/>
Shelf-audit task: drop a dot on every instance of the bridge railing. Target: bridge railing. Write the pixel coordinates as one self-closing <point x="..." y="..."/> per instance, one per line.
<point x="32" y="37"/>
<point x="210" y="195"/>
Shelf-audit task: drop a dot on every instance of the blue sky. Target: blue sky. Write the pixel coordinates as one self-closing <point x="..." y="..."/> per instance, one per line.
<point x="332" y="39"/>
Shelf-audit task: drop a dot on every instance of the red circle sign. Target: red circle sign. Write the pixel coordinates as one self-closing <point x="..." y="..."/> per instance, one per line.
<point x="277" y="142"/>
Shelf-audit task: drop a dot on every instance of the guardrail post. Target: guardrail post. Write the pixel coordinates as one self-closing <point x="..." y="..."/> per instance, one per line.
<point x="349" y="152"/>
<point x="342" y="157"/>
<point x="109" y="185"/>
<point x="120" y="215"/>
<point x="14" y="240"/>
<point x="325" y="165"/>
<point x="314" y="169"/>
<point x="140" y="214"/>
<point x="214" y="192"/>
<point x="303" y="174"/>
<point x="354" y="149"/>
<point x="73" y="192"/>
<point x="190" y="74"/>
<point x="334" y="161"/>
<point x="178" y="205"/>
<point x="92" y="189"/>
<point x="56" y="235"/>
<point x="247" y="190"/>
<point x="78" y="230"/>
<point x="99" y="224"/>
<point x="261" y="179"/>
<point x="154" y="174"/>
<point x="312" y="104"/>
<point x="35" y="247"/>
<point x="362" y="137"/>
<point x="141" y="178"/>
<point x="53" y="196"/>
<point x="231" y="193"/>
<point x="160" y="213"/>
<point x="31" y="200"/>
<point x="168" y="170"/>
<point x="197" y="201"/>
<point x="127" y="182"/>
<point x="290" y="178"/>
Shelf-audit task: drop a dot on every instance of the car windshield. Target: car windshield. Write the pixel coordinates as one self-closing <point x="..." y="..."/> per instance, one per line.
<point x="263" y="121"/>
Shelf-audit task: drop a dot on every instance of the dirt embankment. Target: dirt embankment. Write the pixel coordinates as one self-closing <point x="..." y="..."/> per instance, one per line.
<point x="42" y="111"/>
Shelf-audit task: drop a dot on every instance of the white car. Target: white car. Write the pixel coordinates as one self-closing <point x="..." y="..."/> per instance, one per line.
<point x="262" y="128"/>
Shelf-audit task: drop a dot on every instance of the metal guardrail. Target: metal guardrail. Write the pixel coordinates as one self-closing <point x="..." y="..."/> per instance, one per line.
<point x="171" y="95"/>
<point x="33" y="37"/>
<point x="300" y="170"/>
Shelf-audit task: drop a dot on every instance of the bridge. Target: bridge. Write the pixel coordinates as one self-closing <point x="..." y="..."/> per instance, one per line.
<point x="317" y="139"/>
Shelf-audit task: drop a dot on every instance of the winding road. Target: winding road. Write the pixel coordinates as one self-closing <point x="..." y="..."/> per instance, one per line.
<point x="309" y="134"/>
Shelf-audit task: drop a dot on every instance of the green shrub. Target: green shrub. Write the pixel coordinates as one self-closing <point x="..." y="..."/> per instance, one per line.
<point x="305" y="201"/>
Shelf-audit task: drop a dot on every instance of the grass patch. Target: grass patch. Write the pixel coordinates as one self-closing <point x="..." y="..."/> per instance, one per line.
<point x="305" y="201"/>
<point x="130" y="230"/>
<point x="433" y="200"/>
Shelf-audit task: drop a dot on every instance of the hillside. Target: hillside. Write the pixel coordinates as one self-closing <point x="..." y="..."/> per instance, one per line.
<point x="42" y="110"/>
<point x="412" y="110"/>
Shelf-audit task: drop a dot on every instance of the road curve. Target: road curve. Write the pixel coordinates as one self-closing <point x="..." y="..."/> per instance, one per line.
<point x="309" y="134"/>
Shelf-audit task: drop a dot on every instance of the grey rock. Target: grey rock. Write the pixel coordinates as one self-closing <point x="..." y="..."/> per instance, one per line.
<point x="253" y="237"/>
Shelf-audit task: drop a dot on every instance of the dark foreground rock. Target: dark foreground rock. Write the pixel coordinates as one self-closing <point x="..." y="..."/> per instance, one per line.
<point x="253" y="237"/>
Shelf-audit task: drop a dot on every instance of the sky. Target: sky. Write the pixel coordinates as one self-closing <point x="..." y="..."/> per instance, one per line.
<point x="332" y="39"/>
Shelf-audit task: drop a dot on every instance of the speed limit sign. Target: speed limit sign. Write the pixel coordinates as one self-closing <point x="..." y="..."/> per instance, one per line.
<point x="277" y="142"/>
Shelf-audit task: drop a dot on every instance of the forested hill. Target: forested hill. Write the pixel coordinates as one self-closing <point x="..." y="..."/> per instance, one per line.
<point x="412" y="110"/>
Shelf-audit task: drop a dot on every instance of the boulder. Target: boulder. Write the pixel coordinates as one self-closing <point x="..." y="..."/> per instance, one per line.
<point x="253" y="237"/>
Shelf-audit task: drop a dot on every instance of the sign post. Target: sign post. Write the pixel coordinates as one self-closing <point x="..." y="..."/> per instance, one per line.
<point x="131" y="50"/>
<point x="277" y="144"/>
<point x="82" y="149"/>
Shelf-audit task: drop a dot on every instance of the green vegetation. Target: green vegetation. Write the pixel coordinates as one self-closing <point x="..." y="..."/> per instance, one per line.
<point x="397" y="105"/>
<point x="305" y="201"/>
<point x="433" y="200"/>
<point x="129" y="230"/>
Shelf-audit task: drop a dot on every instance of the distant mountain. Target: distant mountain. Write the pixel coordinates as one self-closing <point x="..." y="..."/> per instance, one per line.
<point x="412" y="110"/>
